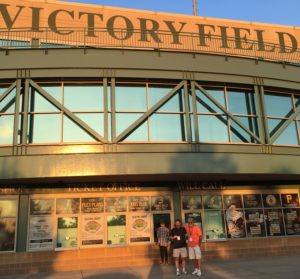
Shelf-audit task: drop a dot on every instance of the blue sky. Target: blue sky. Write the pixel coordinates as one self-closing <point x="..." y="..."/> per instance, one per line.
<point x="285" y="12"/>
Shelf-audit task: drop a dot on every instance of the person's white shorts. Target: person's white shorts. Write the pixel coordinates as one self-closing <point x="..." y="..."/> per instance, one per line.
<point x="180" y="252"/>
<point x="195" y="253"/>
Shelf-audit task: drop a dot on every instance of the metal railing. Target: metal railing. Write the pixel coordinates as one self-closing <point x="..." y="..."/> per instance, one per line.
<point x="136" y="39"/>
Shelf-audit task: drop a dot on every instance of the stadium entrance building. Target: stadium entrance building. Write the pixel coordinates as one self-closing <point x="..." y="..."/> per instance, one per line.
<point x="114" y="119"/>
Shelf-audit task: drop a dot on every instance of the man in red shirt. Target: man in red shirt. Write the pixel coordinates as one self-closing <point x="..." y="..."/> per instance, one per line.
<point x="194" y="235"/>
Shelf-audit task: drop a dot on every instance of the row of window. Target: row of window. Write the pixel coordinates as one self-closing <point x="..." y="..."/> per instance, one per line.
<point x="202" y="118"/>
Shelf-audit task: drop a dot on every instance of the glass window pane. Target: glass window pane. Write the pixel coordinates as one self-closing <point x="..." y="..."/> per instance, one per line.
<point x="54" y="90"/>
<point x="271" y="200"/>
<point x="73" y="133"/>
<point x="297" y="101"/>
<point x="290" y="200"/>
<point x="214" y="225"/>
<point x="46" y="128"/>
<point x="213" y="128"/>
<point x="39" y="104"/>
<point x="124" y="120"/>
<point x="6" y="129"/>
<point x="205" y="105"/>
<point x="175" y="104"/>
<point x="235" y="200"/>
<point x="240" y="135"/>
<point x="140" y="134"/>
<point x="279" y="105"/>
<point x="240" y="102"/>
<point x="94" y="120"/>
<point x="167" y="127"/>
<point x="8" y="234"/>
<point x="8" y="103"/>
<point x="156" y="93"/>
<point x="292" y="220"/>
<point x="255" y="223"/>
<point x="67" y="232"/>
<point x="274" y="222"/>
<point x="116" y="204"/>
<point x="289" y="135"/>
<point x="212" y="202"/>
<point x="83" y="97"/>
<point x="252" y="201"/>
<point x="116" y="229"/>
<point x="191" y="202"/>
<point x="235" y="223"/>
<point x="131" y="98"/>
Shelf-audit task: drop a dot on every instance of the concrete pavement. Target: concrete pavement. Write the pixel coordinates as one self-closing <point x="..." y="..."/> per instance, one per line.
<point x="268" y="267"/>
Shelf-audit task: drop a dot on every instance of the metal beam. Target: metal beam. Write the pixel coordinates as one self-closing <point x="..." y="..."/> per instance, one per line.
<point x="260" y="114"/>
<point x="196" y="128"/>
<point x="25" y="113"/>
<point x="113" y="109"/>
<point x="226" y="112"/>
<point x="7" y="91"/>
<point x="264" y="114"/>
<point x="17" y="112"/>
<point x="153" y="109"/>
<point x="105" y="103"/>
<point x="187" y="112"/>
<point x="68" y="113"/>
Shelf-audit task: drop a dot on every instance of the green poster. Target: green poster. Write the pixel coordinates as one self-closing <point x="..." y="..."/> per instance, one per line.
<point x="67" y="228"/>
<point x="214" y="225"/>
<point x="116" y="229"/>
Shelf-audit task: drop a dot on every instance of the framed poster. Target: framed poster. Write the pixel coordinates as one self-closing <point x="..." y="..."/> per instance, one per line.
<point x="116" y="204"/>
<point x="214" y="225"/>
<point x="290" y="200"/>
<point x="271" y="200"/>
<point x="235" y="222"/>
<point x="191" y="203"/>
<point x="252" y="201"/>
<point x="161" y="203"/>
<point x="8" y="207"/>
<point x="68" y="206"/>
<point x="235" y="200"/>
<point x="139" y="203"/>
<point x="67" y="232"/>
<point x="41" y="233"/>
<point x="212" y="201"/>
<point x="116" y="229"/>
<point x="292" y="220"/>
<point x="92" y="230"/>
<point x="139" y="228"/>
<point x="7" y="234"/>
<point x="41" y="206"/>
<point x="255" y="223"/>
<point x="274" y="222"/>
<point x="92" y="205"/>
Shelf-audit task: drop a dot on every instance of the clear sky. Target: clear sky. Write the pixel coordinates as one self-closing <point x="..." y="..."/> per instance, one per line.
<point x="285" y="12"/>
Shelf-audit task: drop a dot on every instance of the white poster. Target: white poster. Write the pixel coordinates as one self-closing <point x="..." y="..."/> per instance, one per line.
<point x="140" y="228"/>
<point x="41" y="233"/>
<point x="92" y="231"/>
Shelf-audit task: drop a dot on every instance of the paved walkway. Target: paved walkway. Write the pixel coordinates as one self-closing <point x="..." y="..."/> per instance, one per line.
<point x="285" y="267"/>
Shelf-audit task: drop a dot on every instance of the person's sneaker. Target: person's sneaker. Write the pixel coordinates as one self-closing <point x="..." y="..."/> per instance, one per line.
<point x="184" y="272"/>
<point x="199" y="273"/>
<point x="195" y="271"/>
<point x="177" y="272"/>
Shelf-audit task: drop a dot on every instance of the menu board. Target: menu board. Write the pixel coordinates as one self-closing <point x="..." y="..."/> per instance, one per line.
<point x="139" y="203"/>
<point x="292" y="220"/>
<point x="252" y="201"/>
<point x="274" y="222"/>
<point x="67" y="228"/>
<point x="7" y="234"/>
<point x="233" y="200"/>
<point x="214" y="225"/>
<point x="140" y="228"/>
<point x="41" y="206"/>
<point x="212" y="202"/>
<point x="255" y="223"/>
<point x="290" y="200"/>
<point x="116" y="204"/>
<point x="92" y="230"/>
<point x="116" y="229"/>
<point x="161" y="203"/>
<point x="92" y="205"/>
<point x="41" y="233"/>
<point x="271" y="200"/>
<point x="191" y="203"/>
<point x="68" y="206"/>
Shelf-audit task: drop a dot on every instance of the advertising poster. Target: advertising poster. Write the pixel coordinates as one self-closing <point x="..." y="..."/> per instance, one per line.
<point x="41" y="206"/>
<point x="196" y="216"/>
<point x="41" y="233"/>
<point x="7" y="234"/>
<point x="274" y="222"/>
<point x="140" y="228"/>
<point x="235" y="200"/>
<point x="252" y="201"/>
<point x="161" y="203"/>
<point x="255" y="223"/>
<point x="67" y="228"/>
<point x="290" y="200"/>
<point x="235" y="222"/>
<point x="292" y="220"/>
<point x="139" y="203"/>
<point x="92" y="205"/>
<point x="92" y="231"/>
<point x="191" y="202"/>
<point x="212" y="202"/>
<point x="116" y="204"/>
<point x="116" y="230"/>
<point x="271" y="200"/>
<point x="8" y="207"/>
<point x="214" y="225"/>
<point x="68" y="206"/>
